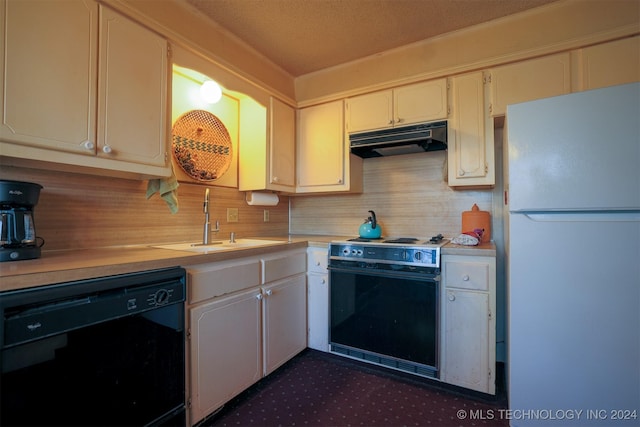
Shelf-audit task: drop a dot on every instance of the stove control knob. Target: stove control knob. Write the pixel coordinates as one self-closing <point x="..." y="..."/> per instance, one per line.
<point x="360" y="252"/>
<point x="345" y="251"/>
<point x="418" y="256"/>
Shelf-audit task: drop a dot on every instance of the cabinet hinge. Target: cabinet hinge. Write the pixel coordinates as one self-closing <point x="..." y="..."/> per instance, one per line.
<point x="448" y="111"/>
<point x="188" y="334"/>
<point x="486" y="168"/>
<point x="490" y="108"/>
<point x="486" y="78"/>
<point x="490" y="373"/>
<point x="189" y="403"/>
<point x="490" y="315"/>
<point x="169" y="51"/>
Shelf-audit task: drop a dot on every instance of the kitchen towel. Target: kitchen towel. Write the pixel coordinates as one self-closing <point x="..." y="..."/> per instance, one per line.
<point x="167" y="188"/>
<point x="255" y="198"/>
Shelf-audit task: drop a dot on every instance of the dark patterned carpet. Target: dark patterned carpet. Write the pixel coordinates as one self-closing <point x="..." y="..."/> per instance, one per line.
<point x="321" y="389"/>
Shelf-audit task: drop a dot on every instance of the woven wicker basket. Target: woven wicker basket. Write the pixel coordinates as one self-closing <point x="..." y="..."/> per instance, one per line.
<point x="201" y="145"/>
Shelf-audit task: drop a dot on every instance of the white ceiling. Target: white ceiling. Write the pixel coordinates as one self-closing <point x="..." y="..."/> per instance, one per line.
<point x="302" y="36"/>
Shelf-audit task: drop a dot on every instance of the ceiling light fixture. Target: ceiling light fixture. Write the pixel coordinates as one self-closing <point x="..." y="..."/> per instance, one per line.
<point x="211" y="92"/>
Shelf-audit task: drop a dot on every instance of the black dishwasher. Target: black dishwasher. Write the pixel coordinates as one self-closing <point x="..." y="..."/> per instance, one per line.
<point x="106" y="351"/>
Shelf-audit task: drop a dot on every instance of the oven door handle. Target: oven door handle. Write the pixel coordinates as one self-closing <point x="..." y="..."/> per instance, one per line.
<point x="387" y="273"/>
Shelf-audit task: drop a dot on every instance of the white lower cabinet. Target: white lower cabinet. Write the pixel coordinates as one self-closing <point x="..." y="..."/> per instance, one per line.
<point x="284" y="321"/>
<point x="226" y="348"/>
<point x="468" y="339"/>
<point x="318" y="298"/>
<point x="245" y="318"/>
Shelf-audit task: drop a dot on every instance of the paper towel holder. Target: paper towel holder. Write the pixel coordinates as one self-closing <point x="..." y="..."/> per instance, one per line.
<point x="261" y="198"/>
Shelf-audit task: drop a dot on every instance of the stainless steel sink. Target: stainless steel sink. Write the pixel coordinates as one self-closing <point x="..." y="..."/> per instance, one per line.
<point x="218" y="245"/>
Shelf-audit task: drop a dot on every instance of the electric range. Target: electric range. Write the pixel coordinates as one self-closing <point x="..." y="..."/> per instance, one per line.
<point x="384" y="300"/>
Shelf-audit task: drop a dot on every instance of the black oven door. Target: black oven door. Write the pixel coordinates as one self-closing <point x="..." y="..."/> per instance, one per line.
<point x="385" y="314"/>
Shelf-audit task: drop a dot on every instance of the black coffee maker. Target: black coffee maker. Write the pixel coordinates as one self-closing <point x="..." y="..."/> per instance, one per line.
<point x="17" y="229"/>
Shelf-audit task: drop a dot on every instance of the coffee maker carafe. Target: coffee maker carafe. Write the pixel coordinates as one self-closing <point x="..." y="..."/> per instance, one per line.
<point x="18" y="239"/>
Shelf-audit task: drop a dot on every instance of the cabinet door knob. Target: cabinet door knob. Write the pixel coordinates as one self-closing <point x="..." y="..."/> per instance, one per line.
<point x="89" y="145"/>
<point x="452" y="297"/>
<point x="323" y="281"/>
<point x="460" y="173"/>
<point x="107" y="149"/>
<point x="318" y="263"/>
<point x="259" y="297"/>
<point x="268" y="292"/>
<point x="399" y="120"/>
<point x="275" y="179"/>
<point x="390" y="122"/>
<point x="465" y="278"/>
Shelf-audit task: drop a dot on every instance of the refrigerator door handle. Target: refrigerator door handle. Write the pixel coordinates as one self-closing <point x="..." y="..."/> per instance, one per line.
<point x="586" y="216"/>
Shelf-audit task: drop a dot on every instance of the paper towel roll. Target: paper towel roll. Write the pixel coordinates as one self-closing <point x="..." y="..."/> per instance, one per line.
<point x="261" y="199"/>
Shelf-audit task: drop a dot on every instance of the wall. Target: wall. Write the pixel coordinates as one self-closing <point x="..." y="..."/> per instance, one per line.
<point x="85" y="211"/>
<point x="179" y="21"/>
<point x="408" y="194"/>
<point x="560" y="26"/>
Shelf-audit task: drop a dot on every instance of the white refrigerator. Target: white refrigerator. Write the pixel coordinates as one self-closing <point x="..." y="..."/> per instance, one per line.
<point x="573" y="259"/>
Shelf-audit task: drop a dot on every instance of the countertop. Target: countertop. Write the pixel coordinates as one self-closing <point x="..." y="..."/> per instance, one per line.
<point x="70" y="265"/>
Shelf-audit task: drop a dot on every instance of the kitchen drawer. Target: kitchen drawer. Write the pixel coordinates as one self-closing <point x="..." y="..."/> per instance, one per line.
<point x="284" y="265"/>
<point x="466" y="275"/>
<point x="213" y="280"/>
<point x="317" y="260"/>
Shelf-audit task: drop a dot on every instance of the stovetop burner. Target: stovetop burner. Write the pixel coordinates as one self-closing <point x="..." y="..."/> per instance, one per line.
<point x="400" y="240"/>
<point x="436" y="239"/>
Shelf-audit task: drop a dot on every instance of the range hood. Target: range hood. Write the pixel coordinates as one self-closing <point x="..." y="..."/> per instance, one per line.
<point x="400" y="140"/>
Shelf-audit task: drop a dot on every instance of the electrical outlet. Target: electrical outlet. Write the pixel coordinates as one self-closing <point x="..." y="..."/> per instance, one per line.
<point x="232" y="214"/>
<point x="265" y="215"/>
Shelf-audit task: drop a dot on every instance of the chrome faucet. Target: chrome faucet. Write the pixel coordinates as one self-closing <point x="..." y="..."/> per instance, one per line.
<point x="207" y="223"/>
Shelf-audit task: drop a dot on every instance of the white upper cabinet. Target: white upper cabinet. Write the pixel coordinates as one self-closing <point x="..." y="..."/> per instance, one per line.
<point x="50" y="73"/>
<point x="132" y="91"/>
<point x="83" y="86"/>
<point x="610" y="64"/>
<point x="528" y="80"/>
<point x="282" y="153"/>
<point x="470" y="151"/>
<point x="370" y="111"/>
<point x="324" y="163"/>
<point x="268" y="161"/>
<point x="405" y="105"/>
